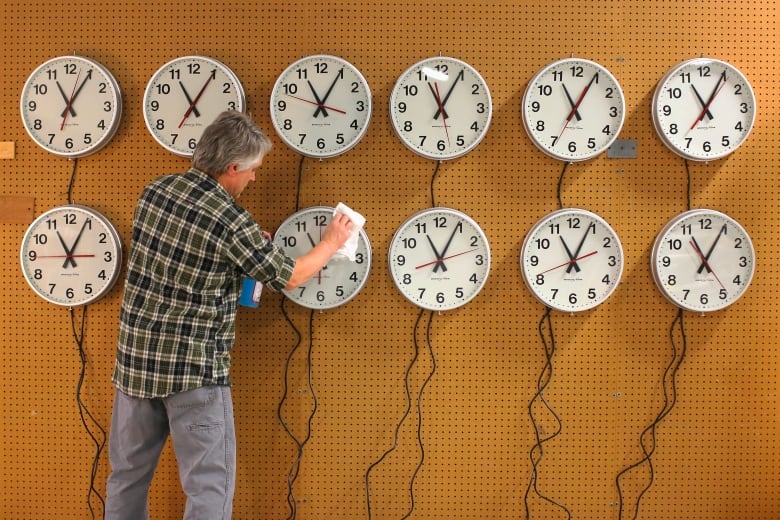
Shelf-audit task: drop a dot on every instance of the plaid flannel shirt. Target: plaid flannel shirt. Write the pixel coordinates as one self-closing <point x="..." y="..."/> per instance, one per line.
<point x="191" y="246"/>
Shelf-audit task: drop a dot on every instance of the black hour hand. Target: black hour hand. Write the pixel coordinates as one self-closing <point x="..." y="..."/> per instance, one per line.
<point x="572" y="263"/>
<point x="571" y="102"/>
<point x="68" y="107"/>
<point x="439" y="257"/>
<point x="189" y="100"/>
<point x="701" y="101"/>
<point x="436" y="98"/>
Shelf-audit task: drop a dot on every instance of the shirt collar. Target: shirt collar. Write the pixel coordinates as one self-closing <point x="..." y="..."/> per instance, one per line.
<point x="208" y="178"/>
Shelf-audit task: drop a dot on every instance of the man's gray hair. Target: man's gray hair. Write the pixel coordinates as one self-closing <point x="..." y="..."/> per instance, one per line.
<point x="232" y="138"/>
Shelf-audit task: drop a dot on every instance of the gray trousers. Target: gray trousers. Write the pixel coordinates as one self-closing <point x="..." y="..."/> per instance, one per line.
<point x="200" y="423"/>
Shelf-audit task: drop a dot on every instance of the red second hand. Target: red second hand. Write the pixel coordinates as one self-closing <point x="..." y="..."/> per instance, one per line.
<point x="66" y="256"/>
<point x="318" y="104"/>
<point x="721" y="83"/>
<point x="195" y="101"/>
<point x="440" y="260"/>
<point x="70" y="101"/>
<point x="441" y="111"/>
<point x="576" y="105"/>
<point x="706" y="263"/>
<point x="570" y="262"/>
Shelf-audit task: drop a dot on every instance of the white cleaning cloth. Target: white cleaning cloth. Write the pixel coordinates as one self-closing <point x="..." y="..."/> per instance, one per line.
<point x="349" y="248"/>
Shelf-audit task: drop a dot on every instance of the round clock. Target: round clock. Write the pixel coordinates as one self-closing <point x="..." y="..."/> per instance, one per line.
<point x="702" y="260"/>
<point x="441" y="108"/>
<point x="71" y="255"/>
<point x="703" y="109"/>
<point x="439" y="259"/>
<point x="321" y="106"/>
<point x="571" y="260"/>
<point x="184" y="96"/>
<point x="341" y="279"/>
<point x="573" y="109"/>
<point x="71" y="106"/>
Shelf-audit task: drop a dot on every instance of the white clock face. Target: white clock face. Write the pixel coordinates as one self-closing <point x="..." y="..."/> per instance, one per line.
<point x="341" y="279"/>
<point x="71" y="106"/>
<point x="572" y="260"/>
<point x="439" y="259"/>
<point x="321" y="106"/>
<point x="184" y="96"/>
<point x="703" y="109"/>
<point x="71" y="255"/>
<point x="441" y="108"/>
<point x="573" y="109"/>
<point x="703" y="260"/>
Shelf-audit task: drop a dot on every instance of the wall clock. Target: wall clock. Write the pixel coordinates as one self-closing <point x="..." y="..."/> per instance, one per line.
<point x="703" y="109"/>
<point x="703" y="260"/>
<point x="71" y="255"/>
<point x="321" y="106"/>
<point x="184" y="96"/>
<point x="439" y="259"/>
<point x="341" y="279"/>
<point x="71" y="106"/>
<point x="573" y="109"/>
<point x="571" y="260"/>
<point x="441" y="108"/>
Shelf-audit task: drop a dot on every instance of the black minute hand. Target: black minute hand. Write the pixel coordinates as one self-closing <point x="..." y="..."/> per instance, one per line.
<point x="69" y="251"/>
<point x="712" y="248"/>
<point x="327" y="94"/>
<point x="459" y="77"/>
<point x="444" y="251"/>
<point x="76" y="94"/>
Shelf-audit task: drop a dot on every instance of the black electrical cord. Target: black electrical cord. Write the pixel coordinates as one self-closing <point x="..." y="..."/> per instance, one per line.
<point x="670" y="396"/>
<point x="688" y="184"/>
<point x="310" y="381"/>
<point x="298" y="187"/>
<point x="670" y="399"/>
<point x="433" y="181"/>
<point x="409" y="367"/>
<point x="292" y="475"/>
<point x="408" y="409"/>
<point x="72" y="179"/>
<point x="84" y="413"/>
<point x="419" y="414"/>
<point x="537" y="451"/>
<point x="560" y="185"/>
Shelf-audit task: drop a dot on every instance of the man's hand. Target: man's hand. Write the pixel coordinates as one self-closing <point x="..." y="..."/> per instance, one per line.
<point x="338" y="231"/>
<point x="333" y="238"/>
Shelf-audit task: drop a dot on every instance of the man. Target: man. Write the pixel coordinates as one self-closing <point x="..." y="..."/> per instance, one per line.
<point x="191" y="246"/>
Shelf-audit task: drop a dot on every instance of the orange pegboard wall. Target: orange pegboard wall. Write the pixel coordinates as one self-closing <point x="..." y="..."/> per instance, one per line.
<point x="715" y="455"/>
